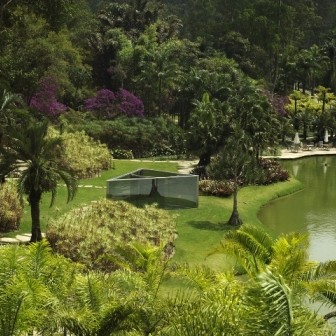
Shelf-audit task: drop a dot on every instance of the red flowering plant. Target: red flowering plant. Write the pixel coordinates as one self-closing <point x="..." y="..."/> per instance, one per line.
<point x="45" y="98"/>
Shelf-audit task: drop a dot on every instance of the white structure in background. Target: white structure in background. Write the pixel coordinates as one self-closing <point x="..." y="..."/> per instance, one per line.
<point x="326" y="136"/>
<point x="296" y="139"/>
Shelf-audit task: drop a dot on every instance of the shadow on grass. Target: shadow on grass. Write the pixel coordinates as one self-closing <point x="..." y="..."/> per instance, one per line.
<point x="167" y="203"/>
<point x="209" y="226"/>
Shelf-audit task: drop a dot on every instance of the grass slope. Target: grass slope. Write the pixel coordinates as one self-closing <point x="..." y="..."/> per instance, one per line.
<point x="200" y="230"/>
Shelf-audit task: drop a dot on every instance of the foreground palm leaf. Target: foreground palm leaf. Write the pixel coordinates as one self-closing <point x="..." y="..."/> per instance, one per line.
<point x="275" y="309"/>
<point x="250" y="245"/>
<point x="35" y="158"/>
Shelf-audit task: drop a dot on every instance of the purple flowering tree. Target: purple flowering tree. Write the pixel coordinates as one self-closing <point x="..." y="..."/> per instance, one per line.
<point x="102" y="104"/>
<point x="107" y="104"/>
<point x="129" y="104"/>
<point x="279" y="104"/>
<point x="45" y="98"/>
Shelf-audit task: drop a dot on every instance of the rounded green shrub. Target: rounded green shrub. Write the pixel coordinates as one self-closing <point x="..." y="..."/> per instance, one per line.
<point x="94" y="235"/>
<point x="84" y="156"/>
<point x="122" y="154"/>
<point x="11" y="209"/>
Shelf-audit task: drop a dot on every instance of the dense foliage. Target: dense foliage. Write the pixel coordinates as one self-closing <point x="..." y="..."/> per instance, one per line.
<point x="144" y="137"/>
<point x="50" y="294"/>
<point x="216" y="188"/>
<point x="156" y="59"/>
<point x="82" y="155"/>
<point x="99" y="234"/>
<point x="11" y="210"/>
<point x="159" y="78"/>
<point x="272" y="172"/>
<point x="45" y="99"/>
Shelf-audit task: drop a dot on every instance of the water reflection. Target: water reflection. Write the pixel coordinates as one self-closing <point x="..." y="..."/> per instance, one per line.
<point x="311" y="210"/>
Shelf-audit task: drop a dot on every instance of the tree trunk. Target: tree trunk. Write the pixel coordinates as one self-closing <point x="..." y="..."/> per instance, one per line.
<point x="160" y="98"/>
<point x="34" y="200"/>
<point x="235" y="219"/>
<point x="305" y="131"/>
<point x="204" y="159"/>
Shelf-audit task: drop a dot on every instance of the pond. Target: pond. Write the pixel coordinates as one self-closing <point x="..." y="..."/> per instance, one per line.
<point x="311" y="210"/>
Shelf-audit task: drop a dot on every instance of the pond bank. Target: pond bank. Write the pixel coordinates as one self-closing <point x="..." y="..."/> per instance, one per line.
<point x="287" y="154"/>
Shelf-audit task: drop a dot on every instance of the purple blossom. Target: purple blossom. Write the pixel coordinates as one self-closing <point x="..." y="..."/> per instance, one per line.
<point x="104" y="99"/>
<point x="278" y="102"/>
<point x="129" y="104"/>
<point x="45" y="98"/>
<point x="108" y="104"/>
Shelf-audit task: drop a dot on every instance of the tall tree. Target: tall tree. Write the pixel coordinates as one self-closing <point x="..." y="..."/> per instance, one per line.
<point x="35" y="156"/>
<point x="208" y="127"/>
<point x="236" y="163"/>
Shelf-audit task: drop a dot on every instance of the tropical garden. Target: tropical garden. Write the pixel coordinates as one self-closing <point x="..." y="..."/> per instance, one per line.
<point x="86" y="87"/>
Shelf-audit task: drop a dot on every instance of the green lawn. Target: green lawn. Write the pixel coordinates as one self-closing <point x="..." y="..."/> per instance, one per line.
<point x="85" y="195"/>
<point x="200" y="229"/>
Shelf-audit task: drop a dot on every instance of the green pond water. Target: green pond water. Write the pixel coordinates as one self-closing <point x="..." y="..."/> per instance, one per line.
<point x="312" y="210"/>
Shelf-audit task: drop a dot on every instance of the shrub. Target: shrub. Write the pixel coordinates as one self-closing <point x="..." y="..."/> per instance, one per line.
<point x="103" y="104"/>
<point x="122" y="154"/>
<point x="11" y="209"/>
<point x="84" y="156"/>
<point x="216" y="188"/>
<point x="93" y="234"/>
<point x="159" y="150"/>
<point x="144" y="137"/>
<point x="272" y="172"/>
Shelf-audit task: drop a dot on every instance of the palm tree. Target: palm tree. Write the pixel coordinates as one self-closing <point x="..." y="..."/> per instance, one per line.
<point x="221" y="304"/>
<point x="8" y="101"/>
<point x="235" y="163"/>
<point x="36" y="157"/>
<point x="208" y="127"/>
<point x="251" y="246"/>
<point x="285" y="258"/>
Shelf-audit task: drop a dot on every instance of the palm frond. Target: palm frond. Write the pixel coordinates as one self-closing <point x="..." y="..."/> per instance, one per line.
<point x="76" y="321"/>
<point x="269" y="303"/>
<point x="324" y="291"/>
<point x="199" y="277"/>
<point x="114" y="320"/>
<point x="251" y="246"/>
<point x="320" y="271"/>
<point x="290" y="255"/>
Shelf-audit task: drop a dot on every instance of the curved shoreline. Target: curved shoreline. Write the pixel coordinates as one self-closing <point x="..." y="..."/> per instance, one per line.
<point x="288" y="155"/>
